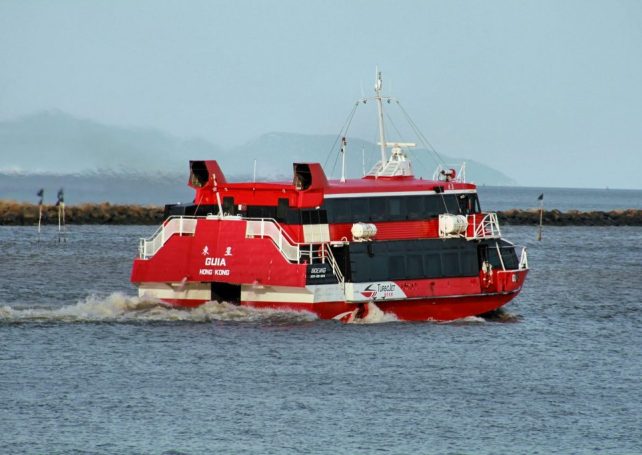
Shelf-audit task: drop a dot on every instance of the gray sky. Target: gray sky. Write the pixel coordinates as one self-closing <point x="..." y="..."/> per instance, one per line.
<point x="549" y="92"/>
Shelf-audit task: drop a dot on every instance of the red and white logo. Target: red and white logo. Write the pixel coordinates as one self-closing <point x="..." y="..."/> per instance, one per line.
<point x="369" y="292"/>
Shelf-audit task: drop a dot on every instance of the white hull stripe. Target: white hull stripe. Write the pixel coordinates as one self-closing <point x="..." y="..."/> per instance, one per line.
<point x="393" y="193"/>
<point x="190" y="291"/>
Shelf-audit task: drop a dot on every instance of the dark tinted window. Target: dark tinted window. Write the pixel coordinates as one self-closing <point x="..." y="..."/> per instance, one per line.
<point x="508" y="255"/>
<point x="359" y="209"/>
<point x="434" y="205"/>
<point x="452" y="204"/>
<point x="468" y="262"/>
<point x="450" y="263"/>
<point x="415" y="265"/>
<point x="313" y="216"/>
<point x="413" y="259"/>
<point x="397" y="267"/>
<point x="339" y="210"/>
<point x="399" y="208"/>
<point x="415" y="207"/>
<point x="378" y="209"/>
<point x="261" y="211"/>
<point x="468" y="203"/>
<point x="396" y="208"/>
<point x="432" y="263"/>
<point x="510" y="258"/>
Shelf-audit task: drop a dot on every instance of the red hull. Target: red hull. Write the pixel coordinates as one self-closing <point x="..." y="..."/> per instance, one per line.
<point x="437" y="309"/>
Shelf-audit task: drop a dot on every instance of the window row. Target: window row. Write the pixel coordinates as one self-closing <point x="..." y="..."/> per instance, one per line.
<point x="399" y="208"/>
<point x="414" y="259"/>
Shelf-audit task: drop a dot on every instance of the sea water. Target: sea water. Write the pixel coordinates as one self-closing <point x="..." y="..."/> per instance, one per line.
<point x="87" y="367"/>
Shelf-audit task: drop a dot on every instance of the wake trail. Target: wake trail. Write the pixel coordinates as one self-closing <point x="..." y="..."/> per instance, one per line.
<point x="119" y="307"/>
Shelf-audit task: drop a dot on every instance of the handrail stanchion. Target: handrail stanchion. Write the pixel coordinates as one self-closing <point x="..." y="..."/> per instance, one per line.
<point x="280" y="239"/>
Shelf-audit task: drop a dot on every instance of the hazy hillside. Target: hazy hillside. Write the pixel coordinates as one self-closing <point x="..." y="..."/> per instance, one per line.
<point x="57" y="143"/>
<point x="97" y="162"/>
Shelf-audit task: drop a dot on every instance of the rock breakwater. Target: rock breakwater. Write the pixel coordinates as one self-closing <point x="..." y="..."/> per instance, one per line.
<point x="628" y="217"/>
<point x="21" y="214"/>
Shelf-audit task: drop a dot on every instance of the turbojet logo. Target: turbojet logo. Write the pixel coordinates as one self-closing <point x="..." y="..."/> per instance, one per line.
<point x="379" y="291"/>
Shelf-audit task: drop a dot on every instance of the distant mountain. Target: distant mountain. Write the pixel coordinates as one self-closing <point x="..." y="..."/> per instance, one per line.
<point x="110" y="162"/>
<point x="56" y="143"/>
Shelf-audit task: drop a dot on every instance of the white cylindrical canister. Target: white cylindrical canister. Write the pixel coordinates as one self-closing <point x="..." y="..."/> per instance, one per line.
<point x="453" y="224"/>
<point x="363" y="231"/>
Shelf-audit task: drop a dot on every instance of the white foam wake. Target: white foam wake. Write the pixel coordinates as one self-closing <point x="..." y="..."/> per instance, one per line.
<point x="118" y="307"/>
<point x="374" y="316"/>
<point x="466" y="320"/>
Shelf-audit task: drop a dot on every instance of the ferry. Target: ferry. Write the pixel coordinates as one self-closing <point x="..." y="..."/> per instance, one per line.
<point x="417" y="249"/>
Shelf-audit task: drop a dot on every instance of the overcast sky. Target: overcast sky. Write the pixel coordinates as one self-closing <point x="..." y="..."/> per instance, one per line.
<point x="549" y="92"/>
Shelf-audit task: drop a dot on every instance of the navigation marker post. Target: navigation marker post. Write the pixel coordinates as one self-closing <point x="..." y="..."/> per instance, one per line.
<point x="541" y="216"/>
<point x="61" y="216"/>
<point x="41" y="195"/>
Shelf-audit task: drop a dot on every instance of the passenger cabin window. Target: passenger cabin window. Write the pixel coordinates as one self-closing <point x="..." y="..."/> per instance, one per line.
<point x="468" y="204"/>
<point x="314" y="216"/>
<point x="399" y="208"/>
<point x="413" y="259"/>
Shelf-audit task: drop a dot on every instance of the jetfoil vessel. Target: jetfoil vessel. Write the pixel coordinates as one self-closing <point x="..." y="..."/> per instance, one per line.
<point x="417" y="249"/>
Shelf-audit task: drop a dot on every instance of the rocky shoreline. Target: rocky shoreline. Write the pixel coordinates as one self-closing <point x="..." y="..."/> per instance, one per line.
<point x="627" y="217"/>
<point x="22" y="214"/>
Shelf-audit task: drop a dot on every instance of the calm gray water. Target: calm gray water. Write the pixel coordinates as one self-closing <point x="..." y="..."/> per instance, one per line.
<point x="85" y="367"/>
<point x="586" y="199"/>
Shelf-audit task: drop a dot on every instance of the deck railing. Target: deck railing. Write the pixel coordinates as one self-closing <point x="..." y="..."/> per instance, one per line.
<point x="181" y="225"/>
<point x="470" y="226"/>
<point x="523" y="259"/>
<point x="267" y="227"/>
<point x="313" y="252"/>
<point x="335" y="268"/>
<point x="487" y="228"/>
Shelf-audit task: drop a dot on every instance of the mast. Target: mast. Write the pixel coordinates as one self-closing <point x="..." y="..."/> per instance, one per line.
<point x="344" y="142"/>
<point x="382" y="141"/>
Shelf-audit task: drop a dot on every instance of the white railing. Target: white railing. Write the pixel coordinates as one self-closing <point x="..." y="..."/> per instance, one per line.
<point x="487" y="228"/>
<point x="291" y="250"/>
<point x="523" y="259"/>
<point x="255" y="228"/>
<point x="335" y="267"/>
<point x="452" y="226"/>
<point x="180" y="225"/>
<point x="265" y="227"/>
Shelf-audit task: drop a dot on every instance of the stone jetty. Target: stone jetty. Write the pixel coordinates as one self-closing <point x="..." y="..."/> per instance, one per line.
<point x="23" y="214"/>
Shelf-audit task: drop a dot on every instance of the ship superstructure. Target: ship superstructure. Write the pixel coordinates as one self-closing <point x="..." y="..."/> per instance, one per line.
<point x="418" y="249"/>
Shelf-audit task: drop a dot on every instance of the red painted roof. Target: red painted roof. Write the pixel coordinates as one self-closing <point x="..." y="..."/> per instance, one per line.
<point x="395" y="184"/>
<point x="268" y="193"/>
